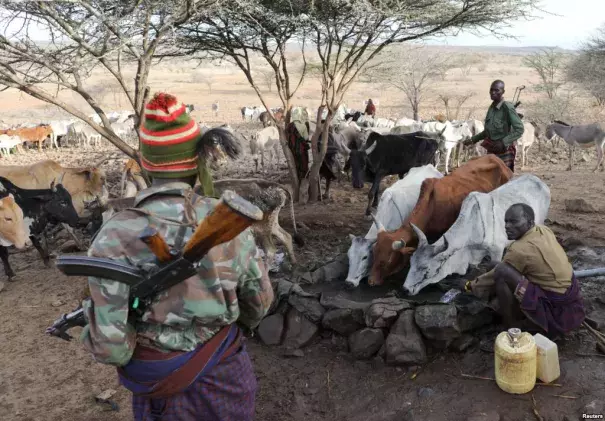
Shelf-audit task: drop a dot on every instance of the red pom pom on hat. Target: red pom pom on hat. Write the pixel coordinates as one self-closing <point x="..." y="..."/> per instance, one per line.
<point x="164" y="107"/>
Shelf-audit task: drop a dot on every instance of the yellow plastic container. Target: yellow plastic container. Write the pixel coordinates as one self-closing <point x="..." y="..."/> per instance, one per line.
<point x="515" y="355"/>
<point x="547" y="369"/>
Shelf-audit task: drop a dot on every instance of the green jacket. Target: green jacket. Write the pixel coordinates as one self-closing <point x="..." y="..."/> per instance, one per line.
<point x="232" y="283"/>
<point x="501" y="123"/>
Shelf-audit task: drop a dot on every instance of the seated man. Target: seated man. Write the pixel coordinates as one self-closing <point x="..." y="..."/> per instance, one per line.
<point x="534" y="279"/>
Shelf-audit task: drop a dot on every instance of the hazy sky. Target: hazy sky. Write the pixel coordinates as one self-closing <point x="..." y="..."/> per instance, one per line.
<point x="573" y="21"/>
<point x="576" y="20"/>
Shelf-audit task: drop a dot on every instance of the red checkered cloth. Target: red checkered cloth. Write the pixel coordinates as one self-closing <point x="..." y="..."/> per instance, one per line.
<point x="226" y="393"/>
<point x="508" y="156"/>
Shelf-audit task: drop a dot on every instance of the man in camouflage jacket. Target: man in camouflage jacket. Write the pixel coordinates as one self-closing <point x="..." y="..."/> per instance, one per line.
<point x="184" y="359"/>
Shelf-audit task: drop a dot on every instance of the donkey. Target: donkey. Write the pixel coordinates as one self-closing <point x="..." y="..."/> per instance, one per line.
<point x="584" y="136"/>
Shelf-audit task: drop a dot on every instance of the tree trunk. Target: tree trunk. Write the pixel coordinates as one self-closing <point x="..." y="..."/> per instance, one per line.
<point x="415" y="110"/>
<point x="291" y="163"/>
<point x="318" y="155"/>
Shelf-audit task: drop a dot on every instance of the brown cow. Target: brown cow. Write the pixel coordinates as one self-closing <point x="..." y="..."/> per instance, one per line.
<point x="84" y="184"/>
<point x="437" y="209"/>
<point x="12" y="228"/>
<point x="31" y="134"/>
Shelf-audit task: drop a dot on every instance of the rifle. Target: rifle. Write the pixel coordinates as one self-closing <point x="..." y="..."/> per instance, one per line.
<point x="228" y="219"/>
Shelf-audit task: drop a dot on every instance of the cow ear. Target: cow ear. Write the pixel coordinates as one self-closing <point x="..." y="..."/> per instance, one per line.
<point x="87" y="173"/>
<point x="407" y="250"/>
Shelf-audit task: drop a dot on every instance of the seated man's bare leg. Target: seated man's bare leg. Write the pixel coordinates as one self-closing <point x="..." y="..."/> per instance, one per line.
<point x="507" y="278"/>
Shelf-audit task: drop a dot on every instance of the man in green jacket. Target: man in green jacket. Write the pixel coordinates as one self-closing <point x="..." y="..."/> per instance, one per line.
<point x="503" y="127"/>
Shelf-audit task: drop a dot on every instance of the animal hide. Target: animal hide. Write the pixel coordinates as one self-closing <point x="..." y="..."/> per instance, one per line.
<point x="477" y="232"/>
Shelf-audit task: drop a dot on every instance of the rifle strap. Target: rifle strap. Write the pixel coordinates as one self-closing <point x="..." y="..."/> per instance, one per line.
<point x="189" y="219"/>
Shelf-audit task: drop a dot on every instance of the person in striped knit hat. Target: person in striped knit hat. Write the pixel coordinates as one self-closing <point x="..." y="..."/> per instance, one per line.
<point x="185" y="358"/>
<point x="172" y="146"/>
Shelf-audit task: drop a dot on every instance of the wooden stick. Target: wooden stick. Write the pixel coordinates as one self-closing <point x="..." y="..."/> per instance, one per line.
<point x="535" y="408"/>
<point x="492" y="379"/>
<point x="566" y="397"/>
<point x="589" y="355"/>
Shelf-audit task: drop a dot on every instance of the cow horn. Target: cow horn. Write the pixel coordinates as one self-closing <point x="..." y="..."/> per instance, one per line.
<point x="379" y="226"/>
<point x="398" y="244"/>
<point x="61" y="179"/>
<point x="53" y="186"/>
<point x="422" y="241"/>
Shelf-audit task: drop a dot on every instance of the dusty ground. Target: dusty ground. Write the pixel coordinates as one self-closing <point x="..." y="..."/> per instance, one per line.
<point x="44" y="378"/>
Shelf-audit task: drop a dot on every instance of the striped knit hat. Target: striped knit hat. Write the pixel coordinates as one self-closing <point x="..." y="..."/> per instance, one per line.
<point x="169" y="137"/>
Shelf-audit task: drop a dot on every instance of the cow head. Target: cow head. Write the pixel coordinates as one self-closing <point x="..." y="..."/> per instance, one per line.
<point x="426" y="262"/>
<point x="12" y="229"/>
<point x="392" y="252"/>
<point x="357" y="161"/>
<point x="86" y="184"/>
<point x="360" y="257"/>
<point x="60" y="207"/>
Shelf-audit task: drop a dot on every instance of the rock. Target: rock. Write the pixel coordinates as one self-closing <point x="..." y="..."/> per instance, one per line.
<point x="335" y="270"/>
<point x="405" y="345"/>
<point x="425" y="392"/>
<point x="297" y="353"/>
<point x="554" y="161"/>
<point x="308" y="306"/>
<point x="339" y="343"/>
<point x="344" y="321"/>
<point x="578" y="205"/>
<point x="106" y="394"/>
<point x="283" y="288"/>
<point x="57" y="303"/>
<point x="339" y="224"/>
<point x="271" y="329"/>
<point x="335" y="300"/>
<point x="296" y="289"/>
<point x="595" y="407"/>
<point x="468" y="321"/>
<point x="69" y="246"/>
<point x="597" y="319"/>
<point x="350" y="199"/>
<point x="438" y="322"/>
<point x="484" y="416"/>
<point x="462" y="343"/>
<point x="365" y="343"/>
<point x="299" y="330"/>
<point x="585" y="158"/>
<point x="384" y="311"/>
<point x="303" y="226"/>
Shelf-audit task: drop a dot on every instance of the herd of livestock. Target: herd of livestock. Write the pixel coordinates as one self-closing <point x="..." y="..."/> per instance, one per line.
<point x="436" y="224"/>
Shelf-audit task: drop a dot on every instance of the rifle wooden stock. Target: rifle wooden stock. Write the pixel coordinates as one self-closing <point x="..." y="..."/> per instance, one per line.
<point x="228" y="219"/>
<point x="156" y="244"/>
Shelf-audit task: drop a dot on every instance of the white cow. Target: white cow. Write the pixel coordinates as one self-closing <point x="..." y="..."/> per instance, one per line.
<point x="384" y="123"/>
<point x="267" y="138"/>
<point x="525" y="142"/>
<point x="395" y="205"/>
<point x="8" y="142"/>
<point x="60" y="128"/>
<point x="478" y="232"/>
<point x="215" y="108"/>
<point x="452" y="136"/>
<point x="83" y="133"/>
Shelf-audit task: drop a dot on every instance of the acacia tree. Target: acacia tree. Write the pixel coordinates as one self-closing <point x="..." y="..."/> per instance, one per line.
<point x="85" y="35"/>
<point x="350" y="34"/>
<point x="411" y="71"/>
<point x="549" y="65"/>
<point x="242" y="31"/>
<point x="588" y="68"/>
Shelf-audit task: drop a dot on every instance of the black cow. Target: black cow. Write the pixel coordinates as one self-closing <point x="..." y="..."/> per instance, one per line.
<point x="355" y="116"/>
<point x="389" y="154"/>
<point x="40" y="208"/>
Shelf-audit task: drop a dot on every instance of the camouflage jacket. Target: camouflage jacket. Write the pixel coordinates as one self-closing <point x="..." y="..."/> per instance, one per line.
<point x="231" y="285"/>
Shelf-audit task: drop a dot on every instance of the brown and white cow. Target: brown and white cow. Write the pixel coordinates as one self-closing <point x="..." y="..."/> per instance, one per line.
<point x="31" y="134"/>
<point x="12" y="229"/>
<point x="437" y="208"/>
<point x="84" y="184"/>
